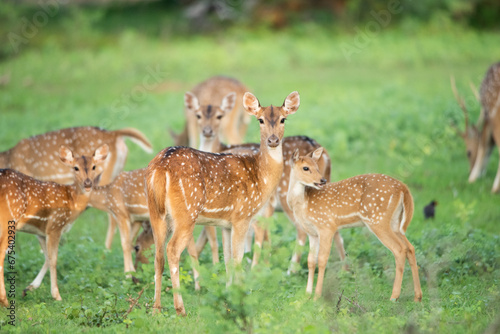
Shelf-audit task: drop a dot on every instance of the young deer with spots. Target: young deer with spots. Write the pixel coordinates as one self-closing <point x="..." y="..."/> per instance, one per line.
<point x="37" y="156"/>
<point x="379" y="202"/>
<point x="209" y="123"/>
<point x="210" y="93"/>
<point x="481" y="138"/>
<point x="188" y="187"/>
<point x="46" y="209"/>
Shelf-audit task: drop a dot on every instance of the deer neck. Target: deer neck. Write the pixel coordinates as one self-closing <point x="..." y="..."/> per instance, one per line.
<point x="296" y="196"/>
<point x="270" y="165"/>
<point x="79" y="197"/>
<point x="207" y="145"/>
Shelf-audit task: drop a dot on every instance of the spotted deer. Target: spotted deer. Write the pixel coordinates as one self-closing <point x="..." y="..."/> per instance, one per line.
<point x="125" y="201"/>
<point x="37" y="156"/>
<point x="209" y="122"/>
<point x="481" y="138"/>
<point x="46" y="209"/>
<point x="210" y="94"/>
<point x="188" y="187"/>
<point x="377" y="201"/>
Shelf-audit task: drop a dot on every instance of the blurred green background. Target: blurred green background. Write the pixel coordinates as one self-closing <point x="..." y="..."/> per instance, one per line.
<point x="375" y="92"/>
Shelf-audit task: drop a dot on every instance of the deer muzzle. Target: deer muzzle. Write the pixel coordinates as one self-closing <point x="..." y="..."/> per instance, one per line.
<point x="273" y="141"/>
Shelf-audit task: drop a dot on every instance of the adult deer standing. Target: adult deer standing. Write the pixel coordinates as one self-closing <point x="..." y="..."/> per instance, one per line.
<point x="209" y="121"/>
<point x="37" y="156"/>
<point x="381" y="203"/>
<point x="188" y="186"/>
<point x="480" y="139"/>
<point x="210" y="93"/>
<point x="46" y="209"/>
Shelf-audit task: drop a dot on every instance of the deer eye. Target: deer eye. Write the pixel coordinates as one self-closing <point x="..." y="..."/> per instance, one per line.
<point x="261" y="121"/>
<point x="93" y="167"/>
<point x="219" y="117"/>
<point x="198" y="116"/>
<point x="282" y="120"/>
<point x="305" y="168"/>
<point x="76" y="168"/>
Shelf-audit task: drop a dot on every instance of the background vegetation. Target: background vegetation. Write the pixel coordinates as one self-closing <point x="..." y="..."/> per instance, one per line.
<point x="379" y="100"/>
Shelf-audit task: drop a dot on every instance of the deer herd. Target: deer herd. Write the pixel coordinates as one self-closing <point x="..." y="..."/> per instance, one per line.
<point x="48" y="180"/>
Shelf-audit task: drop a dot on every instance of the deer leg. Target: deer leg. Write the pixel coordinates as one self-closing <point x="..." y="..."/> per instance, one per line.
<point x="52" y="244"/>
<point x="412" y="260"/>
<point x="202" y="240"/>
<point x="38" y="280"/>
<point x="183" y="234"/>
<point x="212" y="240"/>
<point x="4" y="244"/>
<point x="249" y="238"/>
<point x="259" y="232"/>
<point x="194" y="263"/>
<point x="159" y="228"/>
<point x="311" y="262"/>
<point x="339" y="246"/>
<point x="111" y="231"/>
<point x="300" y="240"/>
<point x="398" y="248"/>
<point x="238" y="233"/>
<point x="134" y="231"/>
<point x="226" y="245"/>
<point x="325" y="245"/>
<point x="126" y="241"/>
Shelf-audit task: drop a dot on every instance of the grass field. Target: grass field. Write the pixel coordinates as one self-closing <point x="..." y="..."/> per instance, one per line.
<point x="387" y="109"/>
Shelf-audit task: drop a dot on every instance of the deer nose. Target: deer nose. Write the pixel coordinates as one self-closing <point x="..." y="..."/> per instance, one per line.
<point x="323" y="181"/>
<point x="273" y="141"/>
<point x="87" y="183"/>
<point x="207" y="131"/>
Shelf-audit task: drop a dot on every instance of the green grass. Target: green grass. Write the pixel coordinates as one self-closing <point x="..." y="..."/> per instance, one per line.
<point x="387" y="110"/>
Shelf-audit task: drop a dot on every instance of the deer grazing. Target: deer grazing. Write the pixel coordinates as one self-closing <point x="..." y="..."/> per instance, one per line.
<point x="209" y="122"/>
<point x="480" y="139"/>
<point x="381" y="203"/>
<point x="37" y="156"/>
<point x="210" y="93"/>
<point x="188" y="187"/>
<point x="46" y="209"/>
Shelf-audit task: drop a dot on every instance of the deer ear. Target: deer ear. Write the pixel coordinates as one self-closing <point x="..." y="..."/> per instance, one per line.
<point x="295" y="155"/>
<point x="191" y="102"/>
<point x="101" y="153"/>
<point x="66" y="156"/>
<point x="316" y="154"/>
<point x="292" y="103"/>
<point x="228" y="102"/>
<point x="251" y="104"/>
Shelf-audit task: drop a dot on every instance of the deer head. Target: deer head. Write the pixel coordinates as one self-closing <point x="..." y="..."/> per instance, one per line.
<point x="85" y="169"/>
<point x="209" y="117"/>
<point x="305" y="169"/>
<point x="271" y="119"/>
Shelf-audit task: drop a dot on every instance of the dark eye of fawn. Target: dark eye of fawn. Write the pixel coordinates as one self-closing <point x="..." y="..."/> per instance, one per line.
<point x="261" y="121"/>
<point x="306" y="168"/>
<point x="219" y="117"/>
<point x="76" y="168"/>
<point x="198" y="116"/>
<point x="282" y="120"/>
<point x="93" y="167"/>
